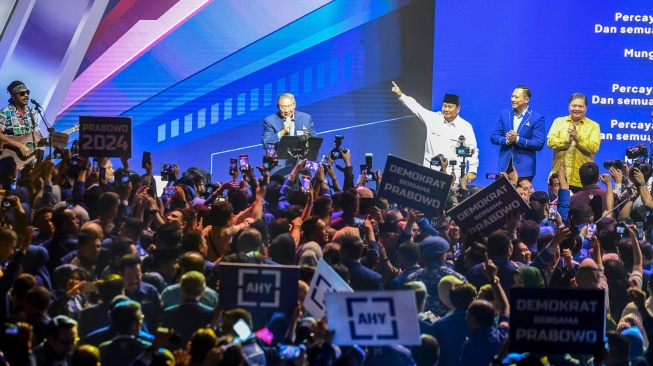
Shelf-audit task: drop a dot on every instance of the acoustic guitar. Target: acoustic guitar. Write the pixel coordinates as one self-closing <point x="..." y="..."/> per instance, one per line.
<point x="27" y="140"/>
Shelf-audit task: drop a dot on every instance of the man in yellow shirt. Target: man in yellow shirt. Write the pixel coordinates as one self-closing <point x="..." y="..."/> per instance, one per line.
<point x="574" y="139"/>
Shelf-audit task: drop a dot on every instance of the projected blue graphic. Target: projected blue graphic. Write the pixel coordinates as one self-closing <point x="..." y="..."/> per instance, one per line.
<point x="603" y="50"/>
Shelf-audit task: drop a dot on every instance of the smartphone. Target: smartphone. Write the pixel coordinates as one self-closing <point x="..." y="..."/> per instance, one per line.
<point x="553" y="213"/>
<point x="244" y="162"/>
<point x="69" y="204"/>
<point x="242" y="330"/>
<point x="96" y="167"/>
<point x="124" y="180"/>
<point x="39" y="154"/>
<point x="103" y="173"/>
<point x="368" y="160"/>
<point x="306" y="183"/>
<point x="233" y="166"/>
<point x="591" y="230"/>
<point x="11" y="329"/>
<point x="169" y="191"/>
<point x="492" y="176"/>
<point x="289" y="352"/>
<point x="621" y="229"/>
<point x="90" y="287"/>
<point x="147" y="159"/>
<point x="365" y="171"/>
<point x="14" y="185"/>
<point x="222" y="198"/>
<point x="312" y="166"/>
<point x="640" y="230"/>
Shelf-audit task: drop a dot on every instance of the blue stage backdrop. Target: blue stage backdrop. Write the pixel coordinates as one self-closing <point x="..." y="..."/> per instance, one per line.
<point x="198" y="94"/>
<point x="482" y="50"/>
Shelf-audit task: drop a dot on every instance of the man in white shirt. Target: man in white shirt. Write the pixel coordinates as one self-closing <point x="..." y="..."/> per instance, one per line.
<point x="443" y="130"/>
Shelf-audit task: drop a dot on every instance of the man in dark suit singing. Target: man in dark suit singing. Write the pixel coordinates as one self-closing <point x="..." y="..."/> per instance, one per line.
<point x="520" y="133"/>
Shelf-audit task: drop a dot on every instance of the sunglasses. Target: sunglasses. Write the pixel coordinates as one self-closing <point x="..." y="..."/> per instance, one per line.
<point x="23" y="93"/>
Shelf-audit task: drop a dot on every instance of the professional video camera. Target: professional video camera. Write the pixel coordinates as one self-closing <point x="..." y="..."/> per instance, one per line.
<point x="336" y="152"/>
<point x="463" y="150"/>
<point x="439" y="159"/>
<point x="616" y="163"/>
<point x="637" y="152"/>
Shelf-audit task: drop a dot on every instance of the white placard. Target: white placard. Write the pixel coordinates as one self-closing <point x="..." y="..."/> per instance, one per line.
<point x="324" y="280"/>
<point x="374" y="318"/>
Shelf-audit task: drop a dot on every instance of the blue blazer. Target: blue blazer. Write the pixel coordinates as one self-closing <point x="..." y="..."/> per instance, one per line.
<point x="362" y="278"/>
<point x="272" y="124"/>
<point x="531" y="139"/>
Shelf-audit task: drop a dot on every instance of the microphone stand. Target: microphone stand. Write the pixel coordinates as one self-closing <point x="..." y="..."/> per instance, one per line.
<point x="39" y="110"/>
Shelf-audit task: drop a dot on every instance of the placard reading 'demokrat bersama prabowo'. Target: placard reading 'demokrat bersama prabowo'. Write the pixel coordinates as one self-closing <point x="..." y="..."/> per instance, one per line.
<point x="105" y="136"/>
<point x="556" y="320"/>
<point x="487" y="210"/>
<point x="414" y="186"/>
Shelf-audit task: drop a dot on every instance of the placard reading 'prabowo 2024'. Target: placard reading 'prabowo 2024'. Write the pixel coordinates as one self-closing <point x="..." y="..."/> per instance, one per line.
<point x="258" y="288"/>
<point x="556" y="320"/>
<point x="105" y="136"/>
<point x="372" y="318"/>
<point x="324" y="280"/>
<point x="486" y="211"/>
<point x="414" y="186"/>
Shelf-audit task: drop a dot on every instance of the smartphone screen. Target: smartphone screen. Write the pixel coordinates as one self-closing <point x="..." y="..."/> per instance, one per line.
<point x="242" y="330"/>
<point x="169" y="191"/>
<point x="233" y="166"/>
<point x="306" y="183"/>
<point x="490" y="176"/>
<point x="244" y="162"/>
<point x="96" y="167"/>
<point x="591" y="230"/>
<point x="14" y="185"/>
<point x="640" y="230"/>
<point x="288" y="352"/>
<point x="553" y="213"/>
<point x="312" y="166"/>
<point x="147" y="159"/>
<point x="620" y="229"/>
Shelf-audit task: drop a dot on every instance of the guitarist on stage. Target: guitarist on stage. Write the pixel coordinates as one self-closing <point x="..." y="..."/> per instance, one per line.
<point x="17" y="118"/>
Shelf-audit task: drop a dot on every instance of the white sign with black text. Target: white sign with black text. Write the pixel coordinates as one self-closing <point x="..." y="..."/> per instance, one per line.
<point x="374" y="318"/>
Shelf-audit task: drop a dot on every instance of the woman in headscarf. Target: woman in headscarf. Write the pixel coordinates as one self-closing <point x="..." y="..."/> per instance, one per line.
<point x="527" y="276"/>
<point x="67" y="298"/>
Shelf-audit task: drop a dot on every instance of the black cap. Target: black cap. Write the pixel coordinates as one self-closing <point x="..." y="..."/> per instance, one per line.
<point x="451" y="98"/>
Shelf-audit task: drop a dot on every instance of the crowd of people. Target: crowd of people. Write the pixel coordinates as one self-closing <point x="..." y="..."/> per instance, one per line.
<point x="101" y="269"/>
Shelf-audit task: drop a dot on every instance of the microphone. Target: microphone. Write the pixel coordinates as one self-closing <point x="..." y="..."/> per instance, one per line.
<point x="36" y="104"/>
<point x="461" y="138"/>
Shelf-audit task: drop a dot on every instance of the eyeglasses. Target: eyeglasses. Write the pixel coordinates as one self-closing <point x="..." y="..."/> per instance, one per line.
<point x="23" y="93"/>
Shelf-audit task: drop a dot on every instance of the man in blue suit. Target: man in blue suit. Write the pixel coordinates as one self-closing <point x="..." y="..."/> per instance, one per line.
<point x="360" y="277"/>
<point x="286" y="122"/>
<point x="520" y="133"/>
